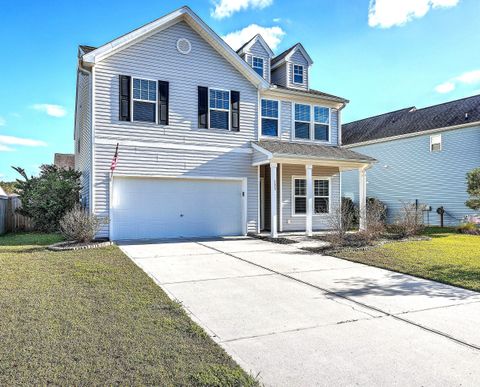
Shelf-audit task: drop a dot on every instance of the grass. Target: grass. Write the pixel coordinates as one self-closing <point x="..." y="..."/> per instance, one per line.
<point x="447" y="257"/>
<point x="92" y="317"/>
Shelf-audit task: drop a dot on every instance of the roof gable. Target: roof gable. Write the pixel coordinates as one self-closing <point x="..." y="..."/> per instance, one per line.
<point x="286" y="55"/>
<point x="411" y="120"/>
<point x="186" y="14"/>
<point x="256" y="39"/>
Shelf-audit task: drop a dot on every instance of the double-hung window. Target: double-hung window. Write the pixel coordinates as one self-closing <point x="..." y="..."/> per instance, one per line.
<point x="144" y="100"/>
<point x="321" y="117"/>
<point x="257" y="65"/>
<point x="321" y="196"/>
<point x="219" y="109"/>
<point x="269" y="117"/>
<point x="297" y="74"/>
<point x="302" y="121"/>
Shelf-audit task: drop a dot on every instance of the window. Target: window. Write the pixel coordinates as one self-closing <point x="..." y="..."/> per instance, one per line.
<point x="436" y="143"/>
<point x="144" y="100"/>
<point x="302" y="121"/>
<point x="269" y="117"/>
<point x="257" y="65"/>
<point x="321" y="192"/>
<point x="300" y="196"/>
<point x="321" y="196"/>
<point x="322" y="123"/>
<point x="219" y="109"/>
<point x="297" y="74"/>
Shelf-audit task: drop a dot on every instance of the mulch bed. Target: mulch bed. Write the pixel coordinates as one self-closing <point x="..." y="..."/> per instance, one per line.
<point x="72" y="245"/>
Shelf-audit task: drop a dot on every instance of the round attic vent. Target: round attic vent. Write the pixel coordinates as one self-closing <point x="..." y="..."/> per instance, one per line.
<point x="184" y="46"/>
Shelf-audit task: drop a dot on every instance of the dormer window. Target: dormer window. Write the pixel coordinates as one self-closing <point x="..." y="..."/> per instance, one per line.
<point x="298" y="74"/>
<point x="257" y="65"/>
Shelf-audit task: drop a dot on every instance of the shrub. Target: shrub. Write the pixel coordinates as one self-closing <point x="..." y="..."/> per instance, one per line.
<point x="376" y="218"/>
<point x="409" y="222"/>
<point x="469" y="228"/>
<point x="79" y="225"/>
<point x="473" y="189"/>
<point x="350" y="207"/>
<point x="340" y="221"/>
<point x="47" y="197"/>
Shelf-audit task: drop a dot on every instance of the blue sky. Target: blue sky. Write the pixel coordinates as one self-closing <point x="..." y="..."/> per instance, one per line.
<point x="381" y="55"/>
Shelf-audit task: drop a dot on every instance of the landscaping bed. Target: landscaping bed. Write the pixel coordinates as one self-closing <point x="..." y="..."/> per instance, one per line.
<point x="92" y="317"/>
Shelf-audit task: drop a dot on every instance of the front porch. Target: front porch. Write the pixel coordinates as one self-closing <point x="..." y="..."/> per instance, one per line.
<point x="300" y="185"/>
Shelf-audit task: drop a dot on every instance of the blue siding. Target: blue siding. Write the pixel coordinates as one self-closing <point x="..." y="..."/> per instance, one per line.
<point x="407" y="170"/>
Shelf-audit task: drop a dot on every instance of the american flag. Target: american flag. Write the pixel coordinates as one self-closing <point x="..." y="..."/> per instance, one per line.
<point x="114" y="160"/>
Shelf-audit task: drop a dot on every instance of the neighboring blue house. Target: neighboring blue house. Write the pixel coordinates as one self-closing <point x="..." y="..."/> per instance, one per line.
<point x="423" y="154"/>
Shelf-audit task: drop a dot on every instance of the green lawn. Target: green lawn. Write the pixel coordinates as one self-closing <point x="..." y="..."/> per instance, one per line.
<point x="92" y="317"/>
<point x="448" y="257"/>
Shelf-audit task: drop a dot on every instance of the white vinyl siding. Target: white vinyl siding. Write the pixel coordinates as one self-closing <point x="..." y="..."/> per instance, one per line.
<point x="156" y="57"/>
<point x="83" y="155"/>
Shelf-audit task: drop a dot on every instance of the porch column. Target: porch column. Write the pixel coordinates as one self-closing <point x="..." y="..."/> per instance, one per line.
<point x="273" y="200"/>
<point x="309" y="221"/>
<point x="362" y="197"/>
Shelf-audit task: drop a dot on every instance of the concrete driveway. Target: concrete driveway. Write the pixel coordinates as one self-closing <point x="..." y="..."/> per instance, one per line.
<point x="300" y="319"/>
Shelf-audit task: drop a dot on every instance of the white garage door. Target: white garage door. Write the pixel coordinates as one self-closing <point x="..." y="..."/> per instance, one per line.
<point x="149" y="208"/>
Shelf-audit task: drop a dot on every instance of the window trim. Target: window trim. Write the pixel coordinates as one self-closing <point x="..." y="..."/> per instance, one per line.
<point x="229" y="110"/>
<point x="299" y="177"/>
<point x="279" y="129"/>
<point x="293" y="74"/>
<point x="132" y="100"/>
<point x="440" y="143"/>
<point x="263" y="64"/>
<point x="312" y="124"/>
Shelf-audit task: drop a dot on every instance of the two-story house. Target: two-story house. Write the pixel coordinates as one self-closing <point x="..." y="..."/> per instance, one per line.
<point x="211" y="141"/>
<point x="423" y="157"/>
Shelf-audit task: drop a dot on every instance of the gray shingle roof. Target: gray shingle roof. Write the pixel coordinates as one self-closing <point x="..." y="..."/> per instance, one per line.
<point x="324" y="152"/>
<point x="283" y="54"/>
<point x="313" y="92"/>
<point x="245" y="44"/>
<point x="412" y="120"/>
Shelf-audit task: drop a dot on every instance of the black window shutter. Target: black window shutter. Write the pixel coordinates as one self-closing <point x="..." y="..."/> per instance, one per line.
<point x="124" y="98"/>
<point x="202" y="107"/>
<point x="235" y="102"/>
<point x="163" y="102"/>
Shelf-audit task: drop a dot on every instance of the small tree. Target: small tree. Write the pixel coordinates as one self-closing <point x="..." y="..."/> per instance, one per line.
<point x="473" y="189"/>
<point x="47" y="197"/>
<point x="376" y="218"/>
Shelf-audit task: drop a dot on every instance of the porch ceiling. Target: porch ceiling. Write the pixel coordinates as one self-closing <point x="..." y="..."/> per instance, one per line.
<point x="302" y="153"/>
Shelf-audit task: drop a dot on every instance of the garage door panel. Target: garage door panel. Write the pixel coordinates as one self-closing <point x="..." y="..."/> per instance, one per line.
<point x="144" y="208"/>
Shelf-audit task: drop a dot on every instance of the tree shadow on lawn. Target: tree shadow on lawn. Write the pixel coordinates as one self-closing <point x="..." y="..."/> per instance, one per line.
<point x="396" y="284"/>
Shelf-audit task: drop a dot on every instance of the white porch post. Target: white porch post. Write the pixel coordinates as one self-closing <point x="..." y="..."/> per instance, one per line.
<point x="273" y="200"/>
<point x="362" y="197"/>
<point x="309" y="221"/>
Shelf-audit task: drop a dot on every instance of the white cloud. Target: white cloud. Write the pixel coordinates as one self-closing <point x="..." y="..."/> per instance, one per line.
<point x="4" y="148"/>
<point x="272" y="35"/>
<point x="470" y="77"/>
<point x="277" y="19"/>
<point x="445" y="87"/>
<point x="11" y="140"/>
<point x="389" y="13"/>
<point x="467" y="78"/>
<point x="3" y="122"/>
<point x="226" y="8"/>
<point x="51" y="110"/>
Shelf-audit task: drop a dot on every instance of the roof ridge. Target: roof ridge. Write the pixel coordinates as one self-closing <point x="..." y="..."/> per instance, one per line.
<point x="382" y="114"/>
<point x="246" y="43"/>
<point x="448" y="102"/>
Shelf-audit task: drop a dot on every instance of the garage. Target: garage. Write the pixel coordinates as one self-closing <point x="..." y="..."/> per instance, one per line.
<point x="151" y="208"/>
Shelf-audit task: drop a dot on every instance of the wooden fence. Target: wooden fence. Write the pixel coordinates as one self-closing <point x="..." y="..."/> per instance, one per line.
<point x="10" y="220"/>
